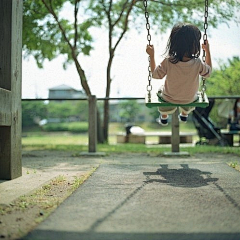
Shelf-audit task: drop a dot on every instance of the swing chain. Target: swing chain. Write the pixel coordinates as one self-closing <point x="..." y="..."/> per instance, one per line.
<point x="149" y="86"/>
<point x="204" y="88"/>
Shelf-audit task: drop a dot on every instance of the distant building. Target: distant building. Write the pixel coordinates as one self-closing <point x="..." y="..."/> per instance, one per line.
<point x="65" y="91"/>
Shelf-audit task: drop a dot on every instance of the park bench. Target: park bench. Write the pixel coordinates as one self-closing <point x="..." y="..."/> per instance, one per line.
<point x="163" y="137"/>
<point x="229" y="136"/>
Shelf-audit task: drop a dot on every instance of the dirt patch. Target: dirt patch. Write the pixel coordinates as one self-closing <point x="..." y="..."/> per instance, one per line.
<point x="25" y="213"/>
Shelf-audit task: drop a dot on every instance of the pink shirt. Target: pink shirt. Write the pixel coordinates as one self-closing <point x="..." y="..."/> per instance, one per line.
<point x="182" y="79"/>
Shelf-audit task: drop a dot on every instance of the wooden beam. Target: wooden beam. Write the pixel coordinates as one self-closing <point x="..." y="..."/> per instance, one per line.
<point x="10" y="84"/>
<point x="5" y="111"/>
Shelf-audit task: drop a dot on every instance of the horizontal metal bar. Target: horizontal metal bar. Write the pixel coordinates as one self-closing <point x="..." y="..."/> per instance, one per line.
<point x="54" y="99"/>
<point x="120" y="99"/>
<point x="78" y="99"/>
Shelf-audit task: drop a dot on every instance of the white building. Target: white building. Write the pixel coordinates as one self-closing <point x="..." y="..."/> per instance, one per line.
<point x="65" y="91"/>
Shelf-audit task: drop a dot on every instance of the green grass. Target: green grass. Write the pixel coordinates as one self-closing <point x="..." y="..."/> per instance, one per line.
<point x="76" y="146"/>
<point x="43" y="138"/>
<point x="75" y="143"/>
<point x="133" y="148"/>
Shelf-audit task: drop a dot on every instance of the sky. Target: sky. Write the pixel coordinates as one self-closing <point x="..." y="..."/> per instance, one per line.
<point x="130" y="64"/>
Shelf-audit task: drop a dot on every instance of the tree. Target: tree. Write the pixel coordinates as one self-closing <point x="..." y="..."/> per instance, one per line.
<point x="46" y="33"/>
<point x="65" y="109"/>
<point x="226" y="80"/>
<point x="129" y="110"/>
<point x="32" y="112"/>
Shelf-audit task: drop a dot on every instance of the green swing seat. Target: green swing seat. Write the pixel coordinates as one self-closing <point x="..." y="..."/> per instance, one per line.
<point x="154" y="100"/>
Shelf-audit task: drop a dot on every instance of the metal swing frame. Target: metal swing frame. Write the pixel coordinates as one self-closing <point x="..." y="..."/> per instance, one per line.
<point x="153" y="98"/>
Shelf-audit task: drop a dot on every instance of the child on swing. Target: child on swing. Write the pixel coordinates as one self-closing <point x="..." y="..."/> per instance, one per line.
<point x="182" y="68"/>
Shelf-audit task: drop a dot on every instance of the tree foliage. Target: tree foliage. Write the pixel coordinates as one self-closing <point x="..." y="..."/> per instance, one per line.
<point x="225" y="80"/>
<point x="46" y="34"/>
<point x="32" y="112"/>
<point x="165" y="13"/>
<point x="129" y="110"/>
<point x="66" y="109"/>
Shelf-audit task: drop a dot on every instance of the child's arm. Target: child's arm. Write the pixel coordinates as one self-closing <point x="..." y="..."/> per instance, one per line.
<point x="206" y="48"/>
<point x="150" y="52"/>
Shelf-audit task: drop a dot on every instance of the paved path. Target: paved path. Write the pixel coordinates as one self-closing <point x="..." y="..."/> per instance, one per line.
<point x="173" y="199"/>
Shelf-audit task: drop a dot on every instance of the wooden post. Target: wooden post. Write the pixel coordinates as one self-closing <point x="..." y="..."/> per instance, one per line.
<point x="10" y="88"/>
<point x="175" y="140"/>
<point x="92" y="124"/>
<point x="175" y="132"/>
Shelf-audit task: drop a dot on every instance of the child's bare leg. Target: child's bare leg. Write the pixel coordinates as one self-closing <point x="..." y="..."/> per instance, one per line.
<point x="164" y="116"/>
<point x="163" y="119"/>
<point x="184" y="114"/>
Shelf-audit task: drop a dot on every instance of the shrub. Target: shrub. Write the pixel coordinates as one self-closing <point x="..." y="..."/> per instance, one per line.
<point x="75" y="127"/>
<point x="78" y="127"/>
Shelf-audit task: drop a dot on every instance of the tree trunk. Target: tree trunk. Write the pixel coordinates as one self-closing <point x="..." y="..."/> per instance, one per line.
<point x="106" y="102"/>
<point x="83" y="80"/>
<point x="100" y="135"/>
<point x="82" y="76"/>
<point x="106" y="120"/>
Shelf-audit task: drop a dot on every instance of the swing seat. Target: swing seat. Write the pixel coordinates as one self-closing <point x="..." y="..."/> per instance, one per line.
<point x="153" y="100"/>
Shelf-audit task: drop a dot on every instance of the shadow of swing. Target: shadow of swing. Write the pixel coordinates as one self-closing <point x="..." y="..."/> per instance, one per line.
<point x="181" y="177"/>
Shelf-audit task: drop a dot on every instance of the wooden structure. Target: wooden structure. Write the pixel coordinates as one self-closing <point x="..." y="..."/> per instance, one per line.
<point x="10" y="88"/>
<point x="229" y="136"/>
<point x="92" y="122"/>
<point x="92" y="128"/>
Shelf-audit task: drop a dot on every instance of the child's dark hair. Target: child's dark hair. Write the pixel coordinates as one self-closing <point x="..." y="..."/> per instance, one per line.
<point x="184" y="41"/>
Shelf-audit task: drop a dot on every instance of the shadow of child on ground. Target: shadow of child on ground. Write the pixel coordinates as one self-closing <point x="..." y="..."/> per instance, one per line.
<point x="182" y="177"/>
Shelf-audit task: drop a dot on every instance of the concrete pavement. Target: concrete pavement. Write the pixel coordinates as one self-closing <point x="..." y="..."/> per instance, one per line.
<point x="139" y="197"/>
